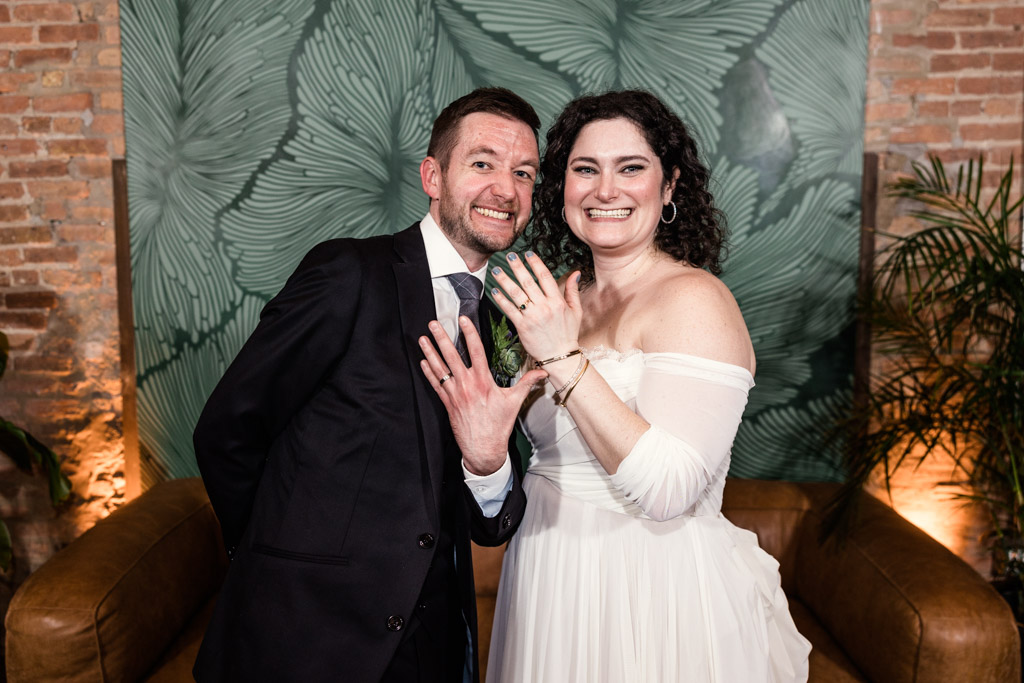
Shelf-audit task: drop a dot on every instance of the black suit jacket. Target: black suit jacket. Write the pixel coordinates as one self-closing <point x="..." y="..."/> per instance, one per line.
<point x="323" y="451"/>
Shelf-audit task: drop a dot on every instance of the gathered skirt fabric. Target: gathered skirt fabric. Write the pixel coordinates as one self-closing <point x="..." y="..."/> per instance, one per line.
<point x="590" y="594"/>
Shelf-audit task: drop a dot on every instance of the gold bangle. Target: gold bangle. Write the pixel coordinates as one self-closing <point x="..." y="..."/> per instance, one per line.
<point x="575" y="380"/>
<point x="539" y="363"/>
<point x="572" y="377"/>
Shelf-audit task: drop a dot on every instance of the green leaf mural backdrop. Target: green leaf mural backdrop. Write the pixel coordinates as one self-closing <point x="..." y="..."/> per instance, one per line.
<point x="257" y="128"/>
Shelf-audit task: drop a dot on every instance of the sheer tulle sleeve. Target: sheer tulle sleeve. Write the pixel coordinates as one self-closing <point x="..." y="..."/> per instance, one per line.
<point x="694" y="406"/>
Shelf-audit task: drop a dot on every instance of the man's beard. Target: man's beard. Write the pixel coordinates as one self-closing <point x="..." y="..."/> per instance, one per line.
<point x="456" y="224"/>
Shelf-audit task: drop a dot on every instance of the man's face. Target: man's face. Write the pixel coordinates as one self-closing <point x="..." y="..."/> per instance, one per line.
<point x="484" y="195"/>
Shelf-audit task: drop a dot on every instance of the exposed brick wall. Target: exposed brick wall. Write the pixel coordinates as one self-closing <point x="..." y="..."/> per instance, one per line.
<point x="944" y="77"/>
<point x="60" y="125"/>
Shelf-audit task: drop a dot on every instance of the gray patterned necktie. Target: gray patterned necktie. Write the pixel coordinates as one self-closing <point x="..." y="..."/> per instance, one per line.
<point x="468" y="289"/>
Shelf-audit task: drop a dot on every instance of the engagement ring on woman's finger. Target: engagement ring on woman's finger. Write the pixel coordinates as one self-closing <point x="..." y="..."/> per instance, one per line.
<point x="522" y="306"/>
<point x="444" y="379"/>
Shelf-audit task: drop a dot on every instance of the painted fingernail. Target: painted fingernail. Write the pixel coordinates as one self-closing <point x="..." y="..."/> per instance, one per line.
<point x="512" y="256"/>
<point x="529" y="254"/>
<point x="495" y="291"/>
<point x="578" y="276"/>
<point x="496" y="271"/>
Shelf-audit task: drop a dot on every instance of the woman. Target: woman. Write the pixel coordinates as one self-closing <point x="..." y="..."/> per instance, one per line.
<point x="624" y="568"/>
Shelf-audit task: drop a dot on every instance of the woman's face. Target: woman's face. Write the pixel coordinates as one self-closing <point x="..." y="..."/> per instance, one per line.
<point x="614" y="187"/>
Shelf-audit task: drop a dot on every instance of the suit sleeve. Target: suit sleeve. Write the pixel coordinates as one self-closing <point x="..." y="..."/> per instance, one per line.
<point x="301" y="335"/>
<point x="496" y="530"/>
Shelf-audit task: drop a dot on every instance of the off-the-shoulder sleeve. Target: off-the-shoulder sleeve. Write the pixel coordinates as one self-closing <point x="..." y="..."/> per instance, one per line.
<point x="694" y="407"/>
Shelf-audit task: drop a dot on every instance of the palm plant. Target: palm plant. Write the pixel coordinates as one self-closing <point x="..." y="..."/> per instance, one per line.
<point x="945" y="312"/>
<point x="26" y="451"/>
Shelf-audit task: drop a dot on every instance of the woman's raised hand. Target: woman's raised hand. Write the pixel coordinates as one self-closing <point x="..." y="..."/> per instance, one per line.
<point x="546" y="315"/>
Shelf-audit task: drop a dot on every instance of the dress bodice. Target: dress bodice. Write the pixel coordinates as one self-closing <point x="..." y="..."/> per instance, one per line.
<point x="561" y="455"/>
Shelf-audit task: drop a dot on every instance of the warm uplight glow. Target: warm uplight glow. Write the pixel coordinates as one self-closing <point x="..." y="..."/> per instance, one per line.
<point x="921" y="496"/>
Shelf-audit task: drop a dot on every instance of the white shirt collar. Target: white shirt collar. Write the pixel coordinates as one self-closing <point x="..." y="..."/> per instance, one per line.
<point x="442" y="258"/>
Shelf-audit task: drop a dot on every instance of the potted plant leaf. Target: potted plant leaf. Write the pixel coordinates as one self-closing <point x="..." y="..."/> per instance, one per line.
<point x="26" y="451"/>
<point x="945" y="313"/>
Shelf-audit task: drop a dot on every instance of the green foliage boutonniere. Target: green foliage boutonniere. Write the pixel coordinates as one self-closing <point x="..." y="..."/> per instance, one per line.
<point x="507" y="356"/>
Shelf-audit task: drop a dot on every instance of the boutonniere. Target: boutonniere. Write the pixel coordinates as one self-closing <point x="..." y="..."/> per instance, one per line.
<point x="507" y="356"/>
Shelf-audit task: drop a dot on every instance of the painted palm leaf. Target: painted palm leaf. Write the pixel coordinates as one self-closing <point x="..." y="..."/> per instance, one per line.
<point x="679" y="50"/>
<point x="817" y="62"/>
<point x="197" y="125"/>
<point x="366" y="107"/>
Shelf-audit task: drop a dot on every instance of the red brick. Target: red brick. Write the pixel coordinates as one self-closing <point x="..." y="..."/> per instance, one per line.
<point x="15" y="34"/>
<point x="51" y="364"/>
<point x="966" y="108"/>
<point x="897" y="63"/>
<point x="1008" y="62"/>
<point x="923" y="86"/>
<point x="10" y="213"/>
<point x="958" y="17"/>
<point x="36" y="124"/>
<point x="55" y="103"/>
<point x="11" y="257"/>
<point x="50" y="55"/>
<point x="978" y="39"/>
<point x="109" y="124"/>
<point x="933" y="109"/>
<point x="68" y="33"/>
<point x="8" y="126"/>
<point x="933" y="40"/>
<point x="882" y="111"/>
<point x="31" y="300"/>
<point x="46" y="168"/>
<point x="95" y="214"/>
<point x="51" y="255"/>
<point x="96" y="78"/>
<point x="5" y="13"/>
<point x="25" y="277"/>
<point x="85" y="233"/>
<point x="13" y="104"/>
<point x="989" y="86"/>
<point x="91" y="168"/>
<point x="5" y="281"/>
<point x="54" y="209"/>
<point x="990" y="131"/>
<point x="921" y="133"/>
<point x="75" y="189"/>
<point x="17" y="146"/>
<point x="81" y="146"/>
<point x="891" y="17"/>
<point x="1002" y="106"/>
<point x="22" y="320"/>
<point x="68" y="125"/>
<point x="959" y="62"/>
<point x="1009" y="16"/>
<point x="64" y="279"/>
<point x="11" y="190"/>
<point x="31" y="13"/>
<point x="13" y="82"/>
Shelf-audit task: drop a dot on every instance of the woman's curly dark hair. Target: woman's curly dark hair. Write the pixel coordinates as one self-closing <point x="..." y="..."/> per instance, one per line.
<point x="696" y="236"/>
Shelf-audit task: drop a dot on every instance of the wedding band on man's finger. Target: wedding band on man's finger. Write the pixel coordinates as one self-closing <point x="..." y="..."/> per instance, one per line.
<point x="444" y="379"/>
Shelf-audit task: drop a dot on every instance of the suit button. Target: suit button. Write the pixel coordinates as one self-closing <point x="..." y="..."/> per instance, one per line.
<point x="395" y="623"/>
<point x="506" y="521"/>
<point x="426" y="541"/>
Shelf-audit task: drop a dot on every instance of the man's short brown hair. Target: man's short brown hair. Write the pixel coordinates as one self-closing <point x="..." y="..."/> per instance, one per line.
<point x="500" y="101"/>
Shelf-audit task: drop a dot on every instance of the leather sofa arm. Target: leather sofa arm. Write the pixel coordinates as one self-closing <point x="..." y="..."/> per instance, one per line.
<point x="109" y="604"/>
<point x="903" y="607"/>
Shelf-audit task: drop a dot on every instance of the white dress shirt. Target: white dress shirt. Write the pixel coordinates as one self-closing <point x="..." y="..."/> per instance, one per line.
<point x="443" y="260"/>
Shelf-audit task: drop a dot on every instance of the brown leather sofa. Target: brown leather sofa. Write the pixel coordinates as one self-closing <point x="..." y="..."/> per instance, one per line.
<point x="129" y="599"/>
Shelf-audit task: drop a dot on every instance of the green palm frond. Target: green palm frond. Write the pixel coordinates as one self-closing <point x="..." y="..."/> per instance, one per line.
<point x="817" y="64"/>
<point x="946" y="312"/>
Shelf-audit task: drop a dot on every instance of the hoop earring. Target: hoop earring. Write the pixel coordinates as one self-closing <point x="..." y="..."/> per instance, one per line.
<point x="675" y="212"/>
<point x="563" y="216"/>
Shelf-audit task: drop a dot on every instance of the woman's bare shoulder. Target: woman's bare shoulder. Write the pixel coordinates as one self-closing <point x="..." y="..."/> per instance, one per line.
<point x="692" y="311"/>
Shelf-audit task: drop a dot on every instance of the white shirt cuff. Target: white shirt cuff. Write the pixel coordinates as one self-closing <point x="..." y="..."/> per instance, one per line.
<point x="490" y="490"/>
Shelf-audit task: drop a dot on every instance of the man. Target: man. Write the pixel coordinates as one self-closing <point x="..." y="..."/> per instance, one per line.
<point x="329" y="459"/>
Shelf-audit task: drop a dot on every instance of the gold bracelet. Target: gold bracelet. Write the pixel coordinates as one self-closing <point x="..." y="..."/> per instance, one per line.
<point x="575" y="380"/>
<point x="572" y="377"/>
<point x="539" y="363"/>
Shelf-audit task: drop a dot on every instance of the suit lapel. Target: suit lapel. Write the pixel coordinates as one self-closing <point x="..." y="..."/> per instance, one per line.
<point x="416" y="310"/>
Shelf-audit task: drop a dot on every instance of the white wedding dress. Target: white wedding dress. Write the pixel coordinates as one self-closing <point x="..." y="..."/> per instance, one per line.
<point x="637" y="577"/>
